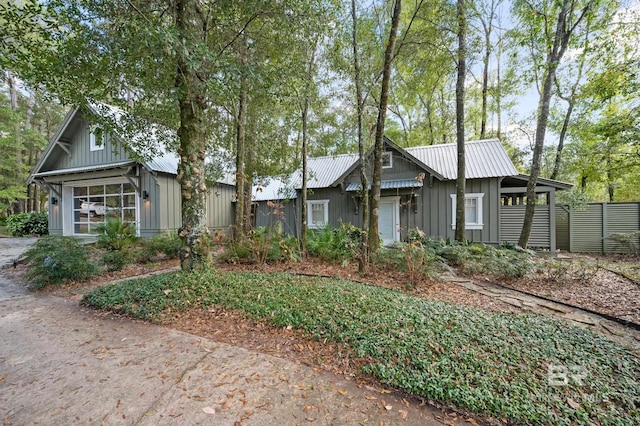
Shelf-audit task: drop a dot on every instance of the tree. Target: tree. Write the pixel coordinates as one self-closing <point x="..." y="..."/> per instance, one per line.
<point x="374" y="235"/>
<point x="460" y="234"/>
<point x="552" y="24"/>
<point x="364" y="180"/>
<point x="172" y="60"/>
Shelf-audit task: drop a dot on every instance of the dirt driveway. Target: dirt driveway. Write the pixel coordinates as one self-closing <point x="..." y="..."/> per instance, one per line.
<point x="63" y="364"/>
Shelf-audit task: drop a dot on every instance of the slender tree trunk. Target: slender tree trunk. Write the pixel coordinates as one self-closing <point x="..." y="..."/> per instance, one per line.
<point x="460" y="234"/>
<point x="563" y="135"/>
<point x="374" y="232"/>
<point x="561" y="40"/>
<point x="193" y="141"/>
<point x="485" y="82"/>
<point x="363" y="260"/>
<point x="571" y="100"/>
<point x="249" y="174"/>
<point x="499" y="89"/>
<point x="304" y="115"/>
<point x="241" y="178"/>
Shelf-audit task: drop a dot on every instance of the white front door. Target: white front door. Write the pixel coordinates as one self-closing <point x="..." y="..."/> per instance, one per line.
<point x="389" y="220"/>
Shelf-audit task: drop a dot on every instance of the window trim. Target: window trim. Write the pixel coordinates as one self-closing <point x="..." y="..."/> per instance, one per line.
<point x="468" y="225"/>
<point x="93" y="146"/>
<point x="390" y="153"/>
<point x="68" y="227"/>
<point x="325" y="203"/>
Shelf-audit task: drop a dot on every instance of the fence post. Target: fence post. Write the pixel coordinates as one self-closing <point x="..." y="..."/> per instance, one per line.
<point x="605" y="219"/>
<point x="552" y="221"/>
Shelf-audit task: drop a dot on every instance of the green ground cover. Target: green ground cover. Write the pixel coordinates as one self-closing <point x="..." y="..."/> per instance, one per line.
<point x="493" y="364"/>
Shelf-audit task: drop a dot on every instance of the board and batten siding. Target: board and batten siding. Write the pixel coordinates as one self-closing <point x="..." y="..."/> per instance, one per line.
<point x="434" y="212"/>
<point x="437" y="209"/>
<point x="266" y="217"/>
<point x="587" y="229"/>
<point x="220" y="206"/>
<point x="55" y="212"/>
<point x="149" y="209"/>
<point x="81" y="154"/>
<point x="512" y="219"/>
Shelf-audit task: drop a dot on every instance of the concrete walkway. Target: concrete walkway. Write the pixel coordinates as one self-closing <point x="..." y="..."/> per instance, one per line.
<point x="64" y="364"/>
<point x="574" y="316"/>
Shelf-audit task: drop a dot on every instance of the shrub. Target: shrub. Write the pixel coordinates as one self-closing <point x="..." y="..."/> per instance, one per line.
<point x="410" y="257"/>
<point x="115" y="234"/>
<point x="54" y="260"/>
<point x="472" y="258"/>
<point x="115" y="260"/>
<point x="261" y="245"/>
<point x="168" y="244"/>
<point x="334" y="244"/>
<point x="34" y="223"/>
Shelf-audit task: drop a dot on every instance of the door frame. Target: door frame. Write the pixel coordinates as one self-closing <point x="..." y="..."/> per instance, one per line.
<point x="395" y="200"/>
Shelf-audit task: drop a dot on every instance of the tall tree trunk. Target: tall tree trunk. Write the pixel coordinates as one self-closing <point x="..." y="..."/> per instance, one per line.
<point x="485" y="82"/>
<point x="363" y="260"/>
<point x="304" y="115"/>
<point x="249" y="174"/>
<point x="562" y="35"/>
<point x="563" y="135"/>
<point x="241" y="177"/>
<point x="571" y="100"/>
<point x="374" y="232"/>
<point x="193" y="141"/>
<point x="499" y="89"/>
<point x="304" y="213"/>
<point x="460" y="234"/>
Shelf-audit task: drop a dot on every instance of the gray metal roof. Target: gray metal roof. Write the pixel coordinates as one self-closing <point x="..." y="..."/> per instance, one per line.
<point x="150" y="138"/>
<point x="389" y="184"/>
<point x="323" y="171"/>
<point x="83" y="169"/>
<point x="484" y="158"/>
<point x="274" y="188"/>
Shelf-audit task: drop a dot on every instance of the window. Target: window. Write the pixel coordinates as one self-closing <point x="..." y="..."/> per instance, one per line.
<point x="472" y="211"/>
<point x="94" y="205"/>
<point x="95" y="136"/>
<point x="317" y="213"/>
<point x="387" y="160"/>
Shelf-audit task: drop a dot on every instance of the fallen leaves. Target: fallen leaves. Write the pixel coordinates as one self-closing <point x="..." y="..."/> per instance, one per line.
<point x="209" y="410"/>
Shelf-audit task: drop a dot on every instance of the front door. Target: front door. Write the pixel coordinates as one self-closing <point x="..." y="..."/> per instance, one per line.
<point x="389" y="220"/>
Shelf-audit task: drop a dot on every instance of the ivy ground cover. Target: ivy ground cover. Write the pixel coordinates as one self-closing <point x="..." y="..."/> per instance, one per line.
<point x="523" y="369"/>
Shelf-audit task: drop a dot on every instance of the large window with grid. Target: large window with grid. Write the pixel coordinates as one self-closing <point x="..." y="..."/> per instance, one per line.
<point x="93" y="205"/>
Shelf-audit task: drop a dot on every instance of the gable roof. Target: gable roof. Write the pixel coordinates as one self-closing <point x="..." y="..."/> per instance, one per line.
<point x="484" y="159"/>
<point x="150" y="137"/>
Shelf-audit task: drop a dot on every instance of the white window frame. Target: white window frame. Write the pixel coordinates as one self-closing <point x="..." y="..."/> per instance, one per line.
<point x="390" y="154"/>
<point x="93" y="145"/>
<point x="68" y="227"/>
<point x="310" y="203"/>
<point x="478" y="196"/>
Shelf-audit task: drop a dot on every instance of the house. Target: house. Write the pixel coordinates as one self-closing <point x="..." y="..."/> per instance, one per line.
<point x="90" y="177"/>
<point x="418" y="191"/>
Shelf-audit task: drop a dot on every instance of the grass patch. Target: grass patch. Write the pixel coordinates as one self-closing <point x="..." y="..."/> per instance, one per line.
<point x="489" y="363"/>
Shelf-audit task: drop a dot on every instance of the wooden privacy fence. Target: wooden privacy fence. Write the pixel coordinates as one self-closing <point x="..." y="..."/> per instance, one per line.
<point x="589" y="229"/>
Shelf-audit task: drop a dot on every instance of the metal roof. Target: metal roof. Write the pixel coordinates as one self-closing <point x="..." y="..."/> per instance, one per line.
<point x="83" y="169"/>
<point x="150" y="137"/>
<point x="323" y="171"/>
<point x="388" y="184"/>
<point x="273" y="188"/>
<point x="484" y="158"/>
